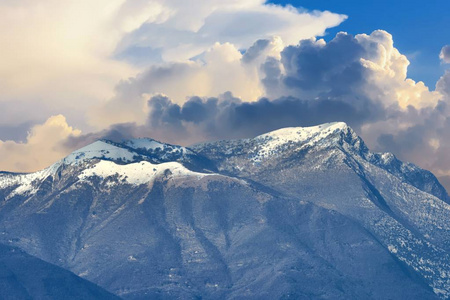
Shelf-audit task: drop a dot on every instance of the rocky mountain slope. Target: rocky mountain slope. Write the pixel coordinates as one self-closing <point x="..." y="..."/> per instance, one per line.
<point x="298" y="212"/>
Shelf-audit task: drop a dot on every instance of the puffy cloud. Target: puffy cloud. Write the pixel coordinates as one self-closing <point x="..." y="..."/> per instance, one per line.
<point x="69" y="55"/>
<point x="181" y="30"/>
<point x="360" y="68"/>
<point x="443" y="85"/>
<point x="220" y="69"/>
<point x="52" y="36"/>
<point x="55" y="57"/>
<point x="43" y="146"/>
<point x="195" y="48"/>
<point x="445" y="54"/>
<point x="227" y="117"/>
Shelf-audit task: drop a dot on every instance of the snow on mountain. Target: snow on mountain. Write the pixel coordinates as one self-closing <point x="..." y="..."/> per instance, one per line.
<point x="307" y="135"/>
<point x="135" y="173"/>
<point x="252" y="155"/>
<point x="297" y="212"/>
<point x="144" y="143"/>
<point x="272" y="142"/>
<point x="100" y="150"/>
<point x="130" y="151"/>
<point x="136" y="161"/>
<point x="24" y="183"/>
<point x="150" y="145"/>
<point x="28" y="184"/>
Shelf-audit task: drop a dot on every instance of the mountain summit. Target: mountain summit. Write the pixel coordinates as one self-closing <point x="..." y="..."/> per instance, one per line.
<point x="297" y="212"/>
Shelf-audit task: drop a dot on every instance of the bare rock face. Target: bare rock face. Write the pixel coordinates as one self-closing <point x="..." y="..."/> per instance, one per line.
<point x="298" y="212"/>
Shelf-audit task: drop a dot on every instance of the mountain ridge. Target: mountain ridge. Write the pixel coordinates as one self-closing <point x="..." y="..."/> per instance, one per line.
<point x="305" y="212"/>
<point x="127" y="153"/>
<point x="347" y="135"/>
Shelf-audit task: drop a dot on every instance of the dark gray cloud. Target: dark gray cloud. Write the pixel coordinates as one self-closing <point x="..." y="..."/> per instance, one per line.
<point x="116" y="133"/>
<point x="334" y="67"/>
<point x="314" y="69"/>
<point x="445" y="54"/>
<point x="255" y="50"/>
<point x="443" y="85"/>
<point x="229" y="117"/>
<point x="17" y="133"/>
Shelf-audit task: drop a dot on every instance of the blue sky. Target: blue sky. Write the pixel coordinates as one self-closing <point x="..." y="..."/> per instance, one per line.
<point x="420" y="28"/>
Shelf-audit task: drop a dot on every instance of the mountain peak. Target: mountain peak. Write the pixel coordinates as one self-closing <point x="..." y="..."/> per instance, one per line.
<point x="128" y="151"/>
<point x="143" y="143"/>
<point x="102" y="149"/>
<point x="328" y="133"/>
<point x="312" y="129"/>
<point x="299" y="134"/>
<point x="151" y="146"/>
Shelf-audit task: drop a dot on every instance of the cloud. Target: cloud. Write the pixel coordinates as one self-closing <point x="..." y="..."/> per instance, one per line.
<point x="358" y="67"/>
<point x="181" y="30"/>
<point x="227" y="117"/>
<point x="44" y="145"/>
<point x="17" y="133"/>
<point x="220" y="69"/>
<point x="200" y="54"/>
<point x="56" y="57"/>
<point x="445" y="54"/>
<point x="68" y="56"/>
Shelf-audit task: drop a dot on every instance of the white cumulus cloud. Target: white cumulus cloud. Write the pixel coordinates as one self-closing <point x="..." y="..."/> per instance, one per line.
<point x="44" y="145"/>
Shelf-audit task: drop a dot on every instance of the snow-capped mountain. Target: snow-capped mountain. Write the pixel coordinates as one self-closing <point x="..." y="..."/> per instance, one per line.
<point x="297" y="212"/>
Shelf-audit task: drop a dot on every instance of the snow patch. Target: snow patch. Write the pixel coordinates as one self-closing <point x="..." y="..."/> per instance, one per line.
<point x="275" y="141"/>
<point x="136" y="173"/>
<point x="151" y="145"/>
<point x="101" y="150"/>
<point x="26" y="183"/>
<point x="144" y="143"/>
<point x="392" y="249"/>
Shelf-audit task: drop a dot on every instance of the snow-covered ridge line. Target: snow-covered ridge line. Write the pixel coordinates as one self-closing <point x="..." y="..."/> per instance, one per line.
<point x="149" y="144"/>
<point x="274" y="140"/>
<point x="136" y="173"/>
<point x="129" y="151"/>
<point x="29" y="183"/>
<point x="26" y="183"/>
<point x="104" y="150"/>
<point x="108" y="153"/>
<point x="300" y="133"/>
<point x="100" y="150"/>
<point x="258" y="149"/>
